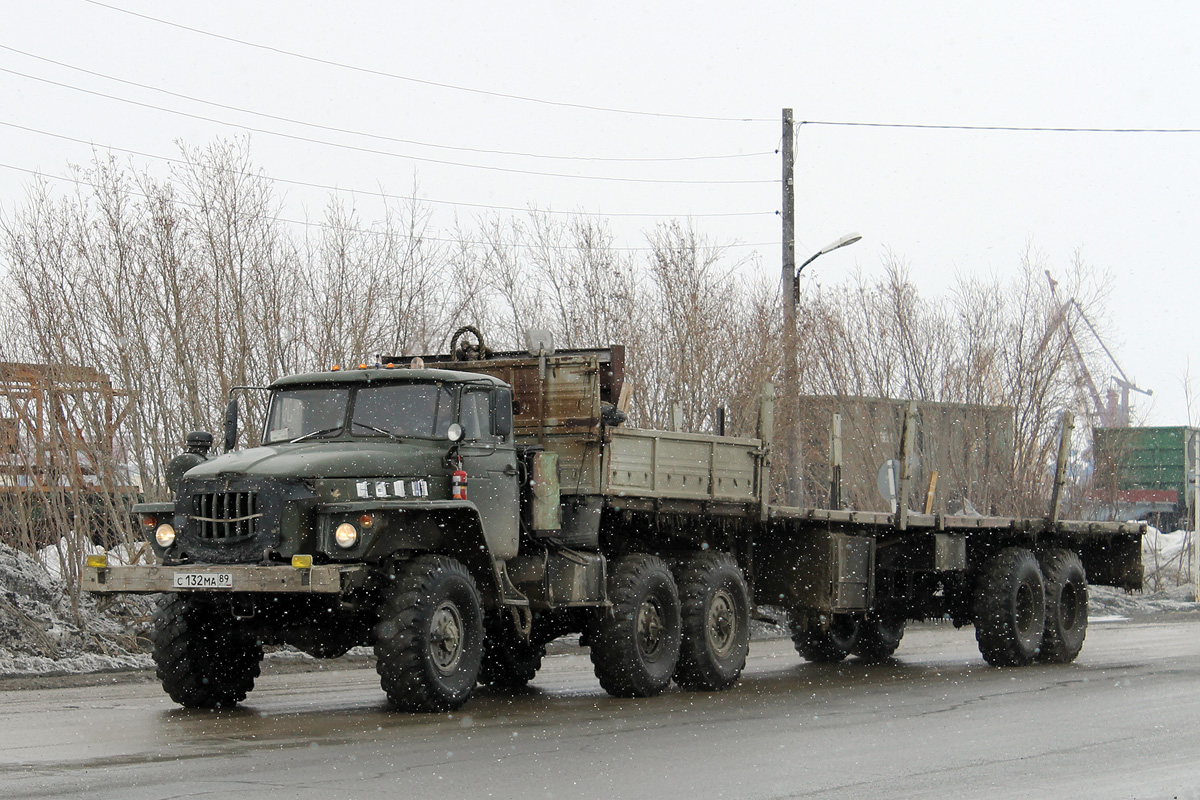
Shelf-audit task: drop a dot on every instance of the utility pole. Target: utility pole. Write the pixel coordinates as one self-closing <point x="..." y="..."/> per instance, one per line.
<point x="790" y="455"/>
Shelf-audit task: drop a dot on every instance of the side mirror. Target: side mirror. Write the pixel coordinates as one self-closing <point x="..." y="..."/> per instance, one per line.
<point x="231" y="424"/>
<point x="455" y="432"/>
<point x="504" y="413"/>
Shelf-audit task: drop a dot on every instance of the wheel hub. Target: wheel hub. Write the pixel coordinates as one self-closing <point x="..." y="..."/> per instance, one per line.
<point x="650" y="629"/>
<point x="721" y="623"/>
<point x="446" y="637"/>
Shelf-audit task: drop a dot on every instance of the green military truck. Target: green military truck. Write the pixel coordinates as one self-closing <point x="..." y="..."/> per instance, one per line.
<point x="458" y="512"/>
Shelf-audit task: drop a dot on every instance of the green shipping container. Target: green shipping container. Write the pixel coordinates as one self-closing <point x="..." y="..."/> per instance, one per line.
<point x="1149" y="471"/>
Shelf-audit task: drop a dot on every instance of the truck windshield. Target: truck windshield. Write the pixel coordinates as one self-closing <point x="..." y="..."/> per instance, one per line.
<point x="403" y="409"/>
<point x="305" y="412"/>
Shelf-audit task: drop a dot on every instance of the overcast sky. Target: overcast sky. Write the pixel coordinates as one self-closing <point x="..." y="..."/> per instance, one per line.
<point x="710" y="82"/>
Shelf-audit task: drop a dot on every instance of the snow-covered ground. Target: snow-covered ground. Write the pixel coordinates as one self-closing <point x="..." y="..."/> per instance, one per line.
<point x="43" y="633"/>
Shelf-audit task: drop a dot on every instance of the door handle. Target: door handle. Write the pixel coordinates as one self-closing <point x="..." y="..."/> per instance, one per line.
<point x="510" y="469"/>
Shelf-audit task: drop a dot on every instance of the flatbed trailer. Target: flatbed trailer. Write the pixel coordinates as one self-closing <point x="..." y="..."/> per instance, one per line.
<point x="458" y="512"/>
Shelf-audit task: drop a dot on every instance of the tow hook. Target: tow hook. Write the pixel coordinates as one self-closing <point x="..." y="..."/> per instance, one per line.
<point x="243" y="608"/>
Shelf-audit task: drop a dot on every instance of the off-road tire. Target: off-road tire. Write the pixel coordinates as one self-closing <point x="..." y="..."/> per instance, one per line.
<point x="429" y="638"/>
<point x="715" y="612"/>
<point x="1066" y="606"/>
<point x="509" y="662"/>
<point x="635" y="643"/>
<point x="827" y="646"/>
<point x="204" y="659"/>
<point x="1010" y="608"/>
<point x="878" y="637"/>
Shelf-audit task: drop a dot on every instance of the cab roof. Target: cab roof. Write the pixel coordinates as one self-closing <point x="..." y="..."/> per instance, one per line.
<point x="347" y="377"/>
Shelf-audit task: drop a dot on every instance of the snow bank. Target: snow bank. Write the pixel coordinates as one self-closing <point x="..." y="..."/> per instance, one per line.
<point x="42" y="632"/>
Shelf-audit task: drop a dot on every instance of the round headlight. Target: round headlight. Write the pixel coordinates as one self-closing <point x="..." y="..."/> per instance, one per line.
<point x="164" y="535"/>
<point x="346" y="535"/>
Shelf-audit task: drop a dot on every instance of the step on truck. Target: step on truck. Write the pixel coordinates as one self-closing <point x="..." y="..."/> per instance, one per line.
<point x="459" y="512"/>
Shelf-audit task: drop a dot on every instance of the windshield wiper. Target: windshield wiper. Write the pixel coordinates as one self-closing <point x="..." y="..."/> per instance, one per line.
<point x="388" y="434"/>
<point x="311" y="434"/>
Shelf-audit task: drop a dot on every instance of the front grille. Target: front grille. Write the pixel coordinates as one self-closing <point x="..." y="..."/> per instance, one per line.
<point x="225" y="516"/>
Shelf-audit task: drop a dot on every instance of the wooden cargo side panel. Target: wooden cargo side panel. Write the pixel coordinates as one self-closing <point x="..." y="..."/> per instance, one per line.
<point x="561" y="413"/>
<point x="682" y="466"/>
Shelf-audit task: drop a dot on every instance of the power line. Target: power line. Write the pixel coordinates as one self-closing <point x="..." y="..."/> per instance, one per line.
<point x="422" y="81"/>
<point x="368" y="192"/>
<point x="1013" y="128"/>
<point x="382" y="137"/>
<point x="369" y="231"/>
<point x="387" y="153"/>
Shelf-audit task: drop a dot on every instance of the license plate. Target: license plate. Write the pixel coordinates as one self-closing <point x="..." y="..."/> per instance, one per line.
<point x="203" y="580"/>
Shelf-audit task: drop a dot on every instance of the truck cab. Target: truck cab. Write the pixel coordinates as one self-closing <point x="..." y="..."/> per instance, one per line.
<point x="346" y="459"/>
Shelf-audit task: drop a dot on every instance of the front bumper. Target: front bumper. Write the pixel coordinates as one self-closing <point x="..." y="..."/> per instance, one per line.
<point x="317" y="579"/>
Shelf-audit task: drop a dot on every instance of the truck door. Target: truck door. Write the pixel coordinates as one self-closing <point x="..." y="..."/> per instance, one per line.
<point x="490" y="461"/>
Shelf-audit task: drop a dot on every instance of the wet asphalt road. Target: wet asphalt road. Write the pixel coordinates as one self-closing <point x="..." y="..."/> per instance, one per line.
<point x="1122" y="722"/>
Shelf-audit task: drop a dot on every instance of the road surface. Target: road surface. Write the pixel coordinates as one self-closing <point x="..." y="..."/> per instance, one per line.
<point x="1122" y="722"/>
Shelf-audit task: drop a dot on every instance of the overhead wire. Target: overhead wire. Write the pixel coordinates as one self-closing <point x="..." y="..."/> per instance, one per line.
<point x="382" y="137"/>
<point x="1009" y="128"/>
<point x="421" y="81"/>
<point x="387" y="153"/>
<point x="367" y="192"/>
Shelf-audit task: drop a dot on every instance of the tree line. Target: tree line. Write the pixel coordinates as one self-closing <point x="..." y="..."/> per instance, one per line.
<point x="184" y="286"/>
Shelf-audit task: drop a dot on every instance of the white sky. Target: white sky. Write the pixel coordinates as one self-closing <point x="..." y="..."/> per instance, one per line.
<point x="944" y="201"/>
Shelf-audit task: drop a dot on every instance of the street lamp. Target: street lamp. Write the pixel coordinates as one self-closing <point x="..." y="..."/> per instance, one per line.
<point x="849" y="238"/>
<point x="791" y="388"/>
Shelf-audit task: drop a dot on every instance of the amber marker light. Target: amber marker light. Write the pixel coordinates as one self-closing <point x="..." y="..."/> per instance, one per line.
<point x="302" y="562"/>
<point x="149" y="520"/>
<point x="366" y="520"/>
<point x="99" y="561"/>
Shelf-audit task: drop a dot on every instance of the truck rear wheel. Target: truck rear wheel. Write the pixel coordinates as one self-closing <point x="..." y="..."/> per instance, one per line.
<point x="429" y="639"/>
<point x="509" y="662"/>
<point x="1066" y="606"/>
<point x="878" y="637"/>
<point x="204" y="659"/>
<point x="827" y="646"/>
<point x="715" y="609"/>
<point x="635" y="644"/>
<point x="1010" y="608"/>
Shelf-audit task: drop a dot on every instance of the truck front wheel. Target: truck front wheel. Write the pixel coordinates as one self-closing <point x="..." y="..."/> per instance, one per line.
<point x="635" y="644"/>
<point x="429" y="639"/>
<point x="1010" y="608"/>
<point x="715" y="606"/>
<point x="203" y="658"/>
<point x="1066" y="606"/>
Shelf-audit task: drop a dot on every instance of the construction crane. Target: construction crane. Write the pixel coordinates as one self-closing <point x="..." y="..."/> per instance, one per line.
<point x="1112" y="410"/>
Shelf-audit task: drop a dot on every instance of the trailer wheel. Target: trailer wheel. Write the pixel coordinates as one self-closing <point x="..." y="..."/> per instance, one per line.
<point x="878" y="637"/>
<point x="715" y="608"/>
<point x="635" y="644"/>
<point x="204" y="659"/>
<point x="509" y="662"/>
<point x="1066" y="606"/>
<point x="1010" y="608"/>
<point x="429" y="639"/>
<point x="827" y="646"/>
